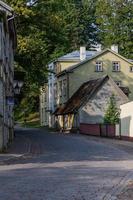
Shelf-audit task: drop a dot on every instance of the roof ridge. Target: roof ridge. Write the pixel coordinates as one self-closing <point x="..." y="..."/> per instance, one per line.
<point x="94" y="56"/>
<point x="83" y="98"/>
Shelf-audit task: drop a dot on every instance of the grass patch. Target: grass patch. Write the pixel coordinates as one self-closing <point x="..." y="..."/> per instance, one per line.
<point x="32" y="124"/>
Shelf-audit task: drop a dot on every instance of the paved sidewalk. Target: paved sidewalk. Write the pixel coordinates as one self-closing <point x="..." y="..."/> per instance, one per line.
<point x="17" y="150"/>
<point x="127" y="193"/>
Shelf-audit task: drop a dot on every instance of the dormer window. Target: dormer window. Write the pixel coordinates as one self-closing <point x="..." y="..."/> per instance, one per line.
<point x="131" y="68"/>
<point x="116" y="66"/>
<point x="118" y="83"/>
<point x="99" y="66"/>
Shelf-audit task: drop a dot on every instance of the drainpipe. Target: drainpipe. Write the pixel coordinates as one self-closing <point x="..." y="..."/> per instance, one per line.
<point x="120" y="129"/>
<point x="67" y="85"/>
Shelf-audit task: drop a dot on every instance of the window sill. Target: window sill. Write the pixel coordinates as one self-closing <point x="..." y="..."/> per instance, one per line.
<point x="98" y="71"/>
<point x="115" y="71"/>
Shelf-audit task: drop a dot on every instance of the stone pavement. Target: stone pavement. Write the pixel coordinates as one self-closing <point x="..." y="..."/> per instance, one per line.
<point x="16" y="150"/>
<point x="66" y="167"/>
<point x="127" y="146"/>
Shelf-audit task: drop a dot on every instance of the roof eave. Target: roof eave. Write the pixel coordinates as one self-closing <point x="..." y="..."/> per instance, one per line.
<point x="7" y="7"/>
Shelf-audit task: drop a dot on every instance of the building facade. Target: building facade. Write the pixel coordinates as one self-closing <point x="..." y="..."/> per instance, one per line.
<point x="126" y="123"/>
<point x="89" y="104"/>
<point x="7" y="48"/>
<point x="48" y="105"/>
<point x="69" y="76"/>
<point x="107" y="62"/>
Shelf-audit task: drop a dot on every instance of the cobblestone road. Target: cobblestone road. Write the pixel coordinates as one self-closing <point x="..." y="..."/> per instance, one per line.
<point x="61" y="167"/>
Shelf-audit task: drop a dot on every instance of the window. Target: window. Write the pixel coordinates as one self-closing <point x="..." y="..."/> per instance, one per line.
<point x="42" y="98"/>
<point x="55" y="91"/>
<point x="99" y="66"/>
<point x="43" y="89"/>
<point x="60" y="88"/>
<point x="131" y="68"/>
<point x="45" y="97"/>
<point x="118" y="83"/>
<point x="116" y="66"/>
<point x="64" y="87"/>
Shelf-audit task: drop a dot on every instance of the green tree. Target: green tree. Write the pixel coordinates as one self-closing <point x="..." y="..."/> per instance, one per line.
<point x="47" y="30"/>
<point x="115" y="22"/>
<point x="112" y="114"/>
<point x="50" y="29"/>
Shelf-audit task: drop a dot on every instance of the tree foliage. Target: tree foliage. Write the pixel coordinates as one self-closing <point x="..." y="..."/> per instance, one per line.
<point x="51" y="28"/>
<point x="112" y="114"/>
<point x="115" y="21"/>
<point x="48" y="29"/>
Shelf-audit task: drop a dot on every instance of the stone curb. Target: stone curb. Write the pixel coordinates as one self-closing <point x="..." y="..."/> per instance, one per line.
<point x="8" y="161"/>
<point x="112" y="195"/>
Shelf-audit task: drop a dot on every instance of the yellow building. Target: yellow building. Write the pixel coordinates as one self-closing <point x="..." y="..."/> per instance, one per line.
<point x="50" y="98"/>
<point x="76" y="68"/>
<point x="106" y="62"/>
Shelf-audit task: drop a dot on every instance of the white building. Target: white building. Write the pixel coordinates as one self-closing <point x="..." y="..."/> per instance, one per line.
<point x="7" y="47"/>
<point x="126" y="125"/>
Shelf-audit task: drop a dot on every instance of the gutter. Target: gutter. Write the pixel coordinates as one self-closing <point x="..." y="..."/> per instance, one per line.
<point x="67" y="85"/>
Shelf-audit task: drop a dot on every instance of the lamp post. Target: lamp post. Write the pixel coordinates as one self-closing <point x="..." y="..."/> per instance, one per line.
<point x="18" y="84"/>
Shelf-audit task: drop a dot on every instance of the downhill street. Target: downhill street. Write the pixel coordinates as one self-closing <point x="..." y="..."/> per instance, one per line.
<point x="51" y="166"/>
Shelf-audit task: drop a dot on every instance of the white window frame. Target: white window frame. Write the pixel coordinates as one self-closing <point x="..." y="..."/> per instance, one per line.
<point x="116" y="66"/>
<point x="99" y="66"/>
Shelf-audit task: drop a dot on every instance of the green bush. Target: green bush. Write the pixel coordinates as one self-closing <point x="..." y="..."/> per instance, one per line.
<point x="112" y="114"/>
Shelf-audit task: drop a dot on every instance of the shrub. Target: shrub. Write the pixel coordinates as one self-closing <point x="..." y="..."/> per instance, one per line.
<point x="113" y="113"/>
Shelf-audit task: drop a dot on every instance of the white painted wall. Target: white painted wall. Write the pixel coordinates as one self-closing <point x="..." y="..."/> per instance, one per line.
<point x="47" y="100"/>
<point x="126" y="117"/>
<point x="117" y="130"/>
<point x="51" y="100"/>
<point x="94" y="110"/>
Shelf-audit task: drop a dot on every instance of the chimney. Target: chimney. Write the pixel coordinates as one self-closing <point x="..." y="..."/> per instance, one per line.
<point x="114" y="48"/>
<point x="99" y="47"/>
<point x="82" y="53"/>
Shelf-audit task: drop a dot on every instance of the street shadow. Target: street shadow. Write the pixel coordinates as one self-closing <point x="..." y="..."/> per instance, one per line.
<point x="41" y="146"/>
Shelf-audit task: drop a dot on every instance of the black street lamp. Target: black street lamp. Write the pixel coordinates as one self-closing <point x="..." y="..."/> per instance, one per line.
<point x="18" y="84"/>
